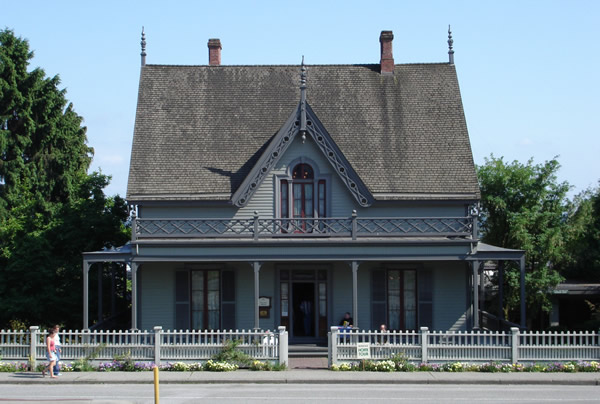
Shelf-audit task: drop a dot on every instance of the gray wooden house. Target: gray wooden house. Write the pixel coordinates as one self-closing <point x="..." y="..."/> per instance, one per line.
<point x="289" y="195"/>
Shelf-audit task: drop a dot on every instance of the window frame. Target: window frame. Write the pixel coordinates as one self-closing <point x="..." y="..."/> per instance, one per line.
<point x="287" y="180"/>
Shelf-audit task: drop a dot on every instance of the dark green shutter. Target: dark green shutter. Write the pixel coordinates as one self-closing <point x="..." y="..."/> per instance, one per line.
<point x="182" y="300"/>
<point x="228" y="300"/>
<point x="425" y="281"/>
<point x="378" y="299"/>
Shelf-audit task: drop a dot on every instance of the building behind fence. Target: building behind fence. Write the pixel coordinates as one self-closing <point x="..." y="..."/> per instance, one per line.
<point x="470" y="346"/>
<point x="423" y="346"/>
<point x="155" y="346"/>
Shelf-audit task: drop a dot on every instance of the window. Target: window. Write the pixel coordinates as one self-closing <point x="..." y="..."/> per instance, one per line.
<point x="205" y="299"/>
<point x="298" y="199"/>
<point x="394" y="298"/>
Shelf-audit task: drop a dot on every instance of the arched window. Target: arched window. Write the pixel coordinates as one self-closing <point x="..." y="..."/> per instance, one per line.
<point x="298" y="199"/>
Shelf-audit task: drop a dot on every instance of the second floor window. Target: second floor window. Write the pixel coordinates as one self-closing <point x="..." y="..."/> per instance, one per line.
<point x="298" y="199"/>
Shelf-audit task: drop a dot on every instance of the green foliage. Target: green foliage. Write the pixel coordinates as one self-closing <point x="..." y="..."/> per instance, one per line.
<point x="267" y="366"/>
<point x="85" y="364"/>
<point x="524" y="207"/>
<point x="51" y="210"/>
<point x="584" y="237"/>
<point x="231" y="354"/>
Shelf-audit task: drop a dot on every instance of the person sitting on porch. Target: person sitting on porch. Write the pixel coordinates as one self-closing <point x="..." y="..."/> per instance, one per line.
<point x="346" y="321"/>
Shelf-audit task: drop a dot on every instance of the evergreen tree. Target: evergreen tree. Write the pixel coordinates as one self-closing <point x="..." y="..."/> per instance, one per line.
<point x="51" y="210"/>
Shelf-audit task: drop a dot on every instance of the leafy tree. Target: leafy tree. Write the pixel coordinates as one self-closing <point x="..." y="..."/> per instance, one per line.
<point x="51" y="210"/>
<point x="524" y="207"/>
<point x="584" y="237"/>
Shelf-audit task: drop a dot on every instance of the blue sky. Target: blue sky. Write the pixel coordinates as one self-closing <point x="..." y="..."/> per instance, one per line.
<point x="528" y="70"/>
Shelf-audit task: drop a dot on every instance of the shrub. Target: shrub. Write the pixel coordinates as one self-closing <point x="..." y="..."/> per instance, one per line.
<point x="232" y="354"/>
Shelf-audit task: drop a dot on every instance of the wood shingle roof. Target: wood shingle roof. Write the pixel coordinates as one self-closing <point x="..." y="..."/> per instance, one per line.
<point x="200" y="130"/>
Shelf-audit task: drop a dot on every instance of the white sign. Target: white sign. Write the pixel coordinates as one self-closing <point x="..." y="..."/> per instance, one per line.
<point x="363" y="350"/>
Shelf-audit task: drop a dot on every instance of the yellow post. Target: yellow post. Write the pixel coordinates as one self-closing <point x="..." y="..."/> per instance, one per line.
<point x="156" y="395"/>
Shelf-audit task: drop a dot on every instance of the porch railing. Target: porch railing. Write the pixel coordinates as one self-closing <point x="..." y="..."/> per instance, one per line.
<point x="353" y="227"/>
<point x="154" y="346"/>
<point x="481" y="346"/>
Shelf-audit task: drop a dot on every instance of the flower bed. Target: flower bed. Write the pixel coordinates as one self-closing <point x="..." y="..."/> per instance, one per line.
<point x="491" y="367"/>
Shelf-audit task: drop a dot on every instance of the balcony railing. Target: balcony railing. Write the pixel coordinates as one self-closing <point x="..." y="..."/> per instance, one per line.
<point x="350" y="227"/>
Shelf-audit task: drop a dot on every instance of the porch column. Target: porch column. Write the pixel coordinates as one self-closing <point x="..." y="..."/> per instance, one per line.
<point x="86" y="270"/>
<point x="134" y="308"/>
<point x="501" y="290"/>
<point x="475" y="266"/>
<point x="355" y="265"/>
<point x="256" y="265"/>
<point x="100" y="300"/>
<point x="522" y="265"/>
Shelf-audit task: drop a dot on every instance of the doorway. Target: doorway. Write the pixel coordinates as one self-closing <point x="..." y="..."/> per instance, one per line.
<point x="303" y="295"/>
<point x="303" y="304"/>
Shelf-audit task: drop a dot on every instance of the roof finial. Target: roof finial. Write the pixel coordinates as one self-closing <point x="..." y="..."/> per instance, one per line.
<point x="450" y="50"/>
<point x="143" y="43"/>
<point x="303" y="99"/>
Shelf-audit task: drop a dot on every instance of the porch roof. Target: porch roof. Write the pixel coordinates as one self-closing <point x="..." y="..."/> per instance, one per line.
<point x="493" y="253"/>
<point x="119" y="254"/>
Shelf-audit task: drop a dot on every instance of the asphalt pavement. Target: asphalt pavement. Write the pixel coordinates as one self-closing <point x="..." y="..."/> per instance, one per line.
<point x="305" y="376"/>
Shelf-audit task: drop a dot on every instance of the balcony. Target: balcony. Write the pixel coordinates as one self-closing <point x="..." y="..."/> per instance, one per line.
<point x="263" y="228"/>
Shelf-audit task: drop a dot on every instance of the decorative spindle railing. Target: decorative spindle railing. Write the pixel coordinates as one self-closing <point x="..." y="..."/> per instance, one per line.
<point x="351" y="227"/>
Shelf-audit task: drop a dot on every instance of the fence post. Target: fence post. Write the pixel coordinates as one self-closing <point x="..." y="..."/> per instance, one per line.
<point x="515" y="344"/>
<point x="354" y="228"/>
<point x="283" y="346"/>
<point x="33" y="338"/>
<point x="157" y="342"/>
<point x="333" y="360"/>
<point x="424" y="343"/>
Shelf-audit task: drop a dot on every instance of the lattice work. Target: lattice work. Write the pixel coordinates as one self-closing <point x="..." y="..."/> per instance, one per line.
<point x="193" y="227"/>
<point x="415" y="226"/>
<point x="331" y="227"/>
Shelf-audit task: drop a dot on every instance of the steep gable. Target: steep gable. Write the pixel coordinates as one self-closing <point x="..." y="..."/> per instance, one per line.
<point x="200" y="130"/>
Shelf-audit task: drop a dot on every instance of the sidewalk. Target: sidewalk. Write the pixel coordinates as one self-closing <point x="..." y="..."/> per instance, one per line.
<point x="306" y="377"/>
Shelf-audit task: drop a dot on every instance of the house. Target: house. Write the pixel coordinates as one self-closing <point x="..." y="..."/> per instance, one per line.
<point x="289" y="195"/>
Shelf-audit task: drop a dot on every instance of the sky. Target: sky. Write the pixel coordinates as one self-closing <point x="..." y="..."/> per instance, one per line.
<point x="528" y="70"/>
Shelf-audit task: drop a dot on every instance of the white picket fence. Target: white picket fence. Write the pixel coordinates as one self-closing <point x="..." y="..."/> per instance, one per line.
<point x="145" y="346"/>
<point x="470" y="346"/>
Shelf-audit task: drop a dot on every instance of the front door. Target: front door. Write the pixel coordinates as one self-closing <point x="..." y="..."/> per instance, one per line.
<point x="303" y="304"/>
<point x="303" y="295"/>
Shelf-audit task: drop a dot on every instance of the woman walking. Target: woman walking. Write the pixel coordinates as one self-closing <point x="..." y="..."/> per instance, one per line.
<point x="50" y="353"/>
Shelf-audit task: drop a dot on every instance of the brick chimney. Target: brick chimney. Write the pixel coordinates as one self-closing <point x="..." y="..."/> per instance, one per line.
<point x="387" y="58"/>
<point x="214" y="52"/>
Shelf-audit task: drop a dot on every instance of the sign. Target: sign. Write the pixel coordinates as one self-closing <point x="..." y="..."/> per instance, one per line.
<point x="264" y="301"/>
<point x="363" y="350"/>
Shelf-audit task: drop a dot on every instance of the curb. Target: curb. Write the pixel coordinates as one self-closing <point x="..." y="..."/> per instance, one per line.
<point x="429" y="378"/>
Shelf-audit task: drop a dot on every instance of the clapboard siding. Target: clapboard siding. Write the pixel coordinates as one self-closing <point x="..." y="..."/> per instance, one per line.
<point x="158" y="297"/>
<point x="244" y="281"/>
<point x="449" y="296"/>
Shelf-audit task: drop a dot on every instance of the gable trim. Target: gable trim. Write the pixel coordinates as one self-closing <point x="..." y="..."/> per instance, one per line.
<point x="282" y="141"/>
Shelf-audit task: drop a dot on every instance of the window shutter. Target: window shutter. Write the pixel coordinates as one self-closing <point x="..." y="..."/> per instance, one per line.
<point x="228" y="300"/>
<point x="182" y="300"/>
<point x="425" y="281"/>
<point x="378" y="299"/>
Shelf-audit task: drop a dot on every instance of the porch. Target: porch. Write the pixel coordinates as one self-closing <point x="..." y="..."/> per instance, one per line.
<point x="355" y="242"/>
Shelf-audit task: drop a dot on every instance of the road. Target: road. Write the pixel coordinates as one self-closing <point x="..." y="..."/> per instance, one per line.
<point x="297" y="393"/>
